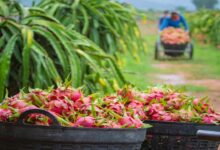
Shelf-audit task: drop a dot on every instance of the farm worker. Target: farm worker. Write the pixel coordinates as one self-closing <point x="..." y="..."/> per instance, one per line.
<point x="175" y="20"/>
<point x="165" y="15"/>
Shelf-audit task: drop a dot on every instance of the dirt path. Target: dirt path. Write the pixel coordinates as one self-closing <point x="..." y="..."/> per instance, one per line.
<point x="178" y="74"/>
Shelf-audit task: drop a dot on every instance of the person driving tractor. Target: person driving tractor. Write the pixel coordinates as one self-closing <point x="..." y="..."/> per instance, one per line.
<point x="175" y="20"/>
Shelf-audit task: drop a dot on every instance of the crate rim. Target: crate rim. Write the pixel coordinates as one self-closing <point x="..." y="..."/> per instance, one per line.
<point x="69" y="128"/>
<point x="179" y="123"/>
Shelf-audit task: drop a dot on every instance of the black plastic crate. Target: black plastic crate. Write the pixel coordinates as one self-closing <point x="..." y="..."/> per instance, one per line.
<point x="174" y="50"/>
<point x="178" y="136"/>
<point x="174" y="46"/>
<point x="26" y="137"/>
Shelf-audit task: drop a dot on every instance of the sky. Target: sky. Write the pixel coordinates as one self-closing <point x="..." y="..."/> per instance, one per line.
<point x="148" y="4"/>
<point x="160" y="4"/>
<point x="27" y="2"/>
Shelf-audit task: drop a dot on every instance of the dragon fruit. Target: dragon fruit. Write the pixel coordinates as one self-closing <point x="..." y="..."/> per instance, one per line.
<point x="61" y="94"/>
<point x="174" y="104"/>
<point x="18" y="104"/>
<point x="143" y="96"/>
<point x="135" y="104"/>
<point x="76" y="95"/>
<point x="58" y="106"/>
<point x="82" y="104"/>
<point x="154" y="96"/>
<point x="130" y="122"/>
<point x="117" y="107"/>
<point x="137" y="108"/>
<point x="126" y="93"/>
<point x="27" y="108"/>
<point x="110" y="99"/>
<point x="39" y="119"/>
<point x="126" y="108"/>
<point x="5" y="114"/>
<point x="196" y="101"/>
<point x="208" y="119"/>
<point x="155" y="108"/>
<point x="87" y="122"/>
<point x="36" y="97"/>
<point x="112" y="124"/>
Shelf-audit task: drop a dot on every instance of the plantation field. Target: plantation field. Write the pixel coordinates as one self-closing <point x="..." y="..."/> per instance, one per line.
<point x="199" y="77"/>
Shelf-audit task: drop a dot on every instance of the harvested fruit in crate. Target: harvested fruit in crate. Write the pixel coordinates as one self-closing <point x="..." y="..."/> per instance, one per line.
<point x="165" y="104"/>
<point x="170" y="105"/>
<point x="71" y="107"/>
<point x="127" y="108"/>
<point x="174" y="36"/>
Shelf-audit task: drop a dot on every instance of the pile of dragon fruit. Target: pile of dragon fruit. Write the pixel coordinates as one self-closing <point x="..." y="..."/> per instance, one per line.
<point x="127" y="108"/>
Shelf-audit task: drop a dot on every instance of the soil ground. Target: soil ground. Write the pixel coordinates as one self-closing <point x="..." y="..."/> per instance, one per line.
<point x="179" y="76"/>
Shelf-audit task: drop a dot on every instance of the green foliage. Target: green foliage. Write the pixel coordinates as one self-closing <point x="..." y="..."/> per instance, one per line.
<point x="36" y="50"/>
<point x="208" y="4"/>
<point x="181" y="9"/>
<point x="109" y="24"/>
<point x="206" y="22"/>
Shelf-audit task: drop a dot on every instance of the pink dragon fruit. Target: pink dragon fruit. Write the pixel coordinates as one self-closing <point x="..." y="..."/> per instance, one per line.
<point x="211" y="118"/>
<point x="208" y="119"/>
<point x="155" y="108"/>
<point x="76" y="95"/>
<point x="186" y="115"/>
<point x="150" y="97"/>
<point x="58" y="106"/>
<point x="143" y="96"/>
<point x="217" y="116"/>
<point x="130" y="122"/>
<point x="158" y="115"/>
<point x="27" y="108"/>
<point x="112" y="124"/>
<point x="140" y="113"/>
<point x="155" y="116"/>
<point x="175" y="117"/>
<point x="137" y="108"/>
<point x="166" y="117"/>
<point x="159" y="96"/>
<point x="82" y="104"/>
<point x="36" y="97"/>
<point x="18" y="104"/>
<point x="174" y="104"/>
<point x="196" y="101"/>
<point x="61" y="94"/>
<point x="14" y="98"/>
<point x="88" y="109"/>
<point x="110" y="99"/>
<point x="87" y="122"/>
<point x="39" y="119"/>
<point x="126" y="93"/>
<point x="172" y="95"/>
<point x="135" y="104"/>
<point x="5" y="114"/>
<point x="117" y="107"/>
<point x="155" y="96"/>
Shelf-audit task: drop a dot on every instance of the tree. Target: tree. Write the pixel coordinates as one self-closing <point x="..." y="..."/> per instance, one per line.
<point x="208" y="4"/>
<point x="181" y="9"/>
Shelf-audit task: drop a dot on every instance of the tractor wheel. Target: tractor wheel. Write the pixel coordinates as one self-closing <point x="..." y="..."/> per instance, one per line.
<point x="191" y="52"/>
<point x="156" y="53"/>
